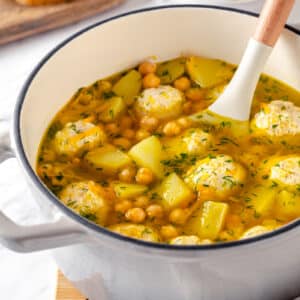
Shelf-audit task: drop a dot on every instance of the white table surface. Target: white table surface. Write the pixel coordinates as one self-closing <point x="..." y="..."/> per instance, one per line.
<point x="33" y="276"/>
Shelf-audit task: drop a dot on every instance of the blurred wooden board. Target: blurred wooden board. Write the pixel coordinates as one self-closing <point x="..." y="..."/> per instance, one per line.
<point x="65" y="290"/>
<point x="17" y="21"/>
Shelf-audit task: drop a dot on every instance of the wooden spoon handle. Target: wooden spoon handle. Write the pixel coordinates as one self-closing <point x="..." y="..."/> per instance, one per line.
<point x="272" y="20"/>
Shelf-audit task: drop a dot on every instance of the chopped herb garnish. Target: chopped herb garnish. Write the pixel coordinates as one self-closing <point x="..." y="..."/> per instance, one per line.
<point x="56" y="126"/>
<point x="90" y="216"/>
<point x="108" y="95"/>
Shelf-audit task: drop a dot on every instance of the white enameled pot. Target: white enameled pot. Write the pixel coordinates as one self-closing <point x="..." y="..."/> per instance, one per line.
<point x="265" y="267"/>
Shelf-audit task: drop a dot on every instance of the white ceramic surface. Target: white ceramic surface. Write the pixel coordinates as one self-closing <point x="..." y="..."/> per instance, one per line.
<point x="150" y="275"/>
<point x="113" y="263"/>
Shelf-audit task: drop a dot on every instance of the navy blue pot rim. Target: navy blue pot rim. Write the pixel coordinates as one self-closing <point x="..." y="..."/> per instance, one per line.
<point x="92" y="226"/>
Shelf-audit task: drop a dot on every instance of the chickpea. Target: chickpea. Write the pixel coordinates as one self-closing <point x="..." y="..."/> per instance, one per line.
<point x="142" y="134"/>
<point x="129" y="134"/>
<point x="112" y="129"/>
<point x="147" y="67"/>
<point x="125" y="122"/>
<point x="198" y="106"/>
<point x="151" y="81"/>
<point x="135" y="215"/>
<point x="149" y="123"/>
<point x="85" y="99"/>
<point x="141" y="201"/>
<point x="144" y="176"/>
<point x="58" y="179"/>
<point x="49" y="155"/>
<point x="105" y="86"/>
<point x="184" y="123"/>
<point x="46" y="167"/>
<point x="168" y="231"/>
<point x="155" y="211"/>
<point x="76" y="161"/>
<point x="178" y="216"/>
<point x="122" y="143"/>
<point x="127" y="174"/>
<point x="123" y="206"/>
<point x="187" y="107"/>
<point x="194" y="94"/>
<point x="171" y="129"/>
<point x="182" y="83"/>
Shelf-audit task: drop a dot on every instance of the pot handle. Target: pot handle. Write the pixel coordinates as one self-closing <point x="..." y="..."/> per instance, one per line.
<point x="60" y="233"/>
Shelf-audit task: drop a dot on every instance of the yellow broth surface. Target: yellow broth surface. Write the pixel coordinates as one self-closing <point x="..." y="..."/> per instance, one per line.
<point x="131" y="153"/>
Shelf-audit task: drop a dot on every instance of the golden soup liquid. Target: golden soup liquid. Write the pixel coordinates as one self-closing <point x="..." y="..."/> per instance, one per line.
<point x="131" y="153"/>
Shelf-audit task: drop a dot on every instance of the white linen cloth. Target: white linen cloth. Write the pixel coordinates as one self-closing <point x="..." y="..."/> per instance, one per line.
<point x="33" y="276"/>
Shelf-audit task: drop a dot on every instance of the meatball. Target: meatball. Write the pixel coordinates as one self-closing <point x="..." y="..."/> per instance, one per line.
<point x="163" y="102"/>
<point x="189" y="240"/>
<point x="88" y="199"/>
<point x="197" y="141"/>
<point x="286" y="170"/>
<point x="254" y="231"/>
<point x="77" y="137"/>
<point x="277" y="118"/>
<point x="216" y="176"/>
<point x="186" y="240"/>
<point x="136" y="231"/>
<point x="193" y="141"/>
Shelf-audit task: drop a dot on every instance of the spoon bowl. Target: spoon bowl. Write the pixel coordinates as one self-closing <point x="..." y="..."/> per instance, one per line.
<point x="235" y="102"/>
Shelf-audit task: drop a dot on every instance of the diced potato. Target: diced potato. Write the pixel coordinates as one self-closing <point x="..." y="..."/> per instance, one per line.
<point x="148" y="154"/>
<point x="193" y="225"/>
<point x="127" y="190"/>
<point x="115" y="107"/>
<point x="171" y="70"/>
<point x="237" y="128"/>
<point x="262" y="199"/>
<point x="140" y="232"/>
<point x="212" y="219"/>
<point x="208" y="72"/>
<point x="108" y="159"/>
<point x="287" y="205"/>
<point x="128" y="86"/>
<point x="174" y="192"/>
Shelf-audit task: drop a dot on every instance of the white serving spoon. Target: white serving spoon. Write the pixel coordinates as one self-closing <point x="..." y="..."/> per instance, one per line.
<point x="235" y="102"/>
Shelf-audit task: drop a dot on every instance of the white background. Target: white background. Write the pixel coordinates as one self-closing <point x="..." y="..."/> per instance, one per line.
<point x="33" y="276"/>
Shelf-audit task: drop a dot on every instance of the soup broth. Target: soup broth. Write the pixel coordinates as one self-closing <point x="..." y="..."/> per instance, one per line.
<point x="130" y="153"/>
